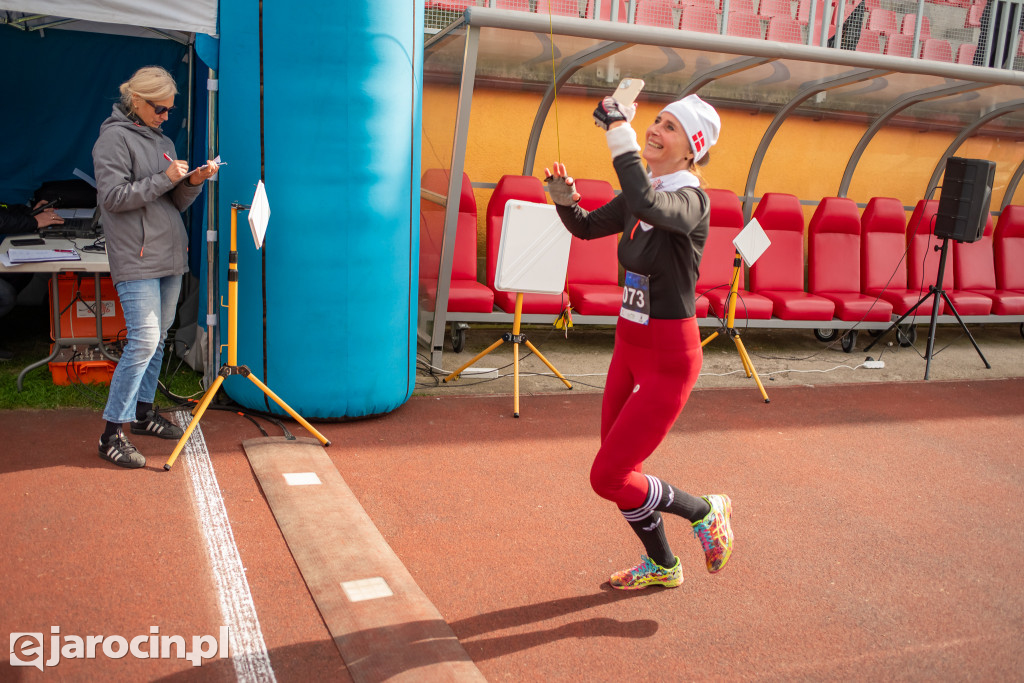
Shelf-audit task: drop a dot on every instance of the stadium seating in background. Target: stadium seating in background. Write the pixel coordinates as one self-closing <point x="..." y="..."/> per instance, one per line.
<point x="702" y="19"/>
<point x="660" y="13"/>
<point x="716" y="264"/>
<point x="559" y="8"/>
<point x="784" y="30"/>
<point x="530" y="189"/>
<point x="937" y="50"/>
<point x="606" y="10"/>
<point x="775" y="8"/>
<point x="870" y="41"/>
<point x="744" y="25"/>
<point x="465" y="294"/>
<point x="593" y="272"/>
<point x="899" y="45"/>
<point x="883" y="21"/>
<point x="779" y="273"/>
<point x="965" y="53"/>
<point x="909" y="23"/>
<point x="833" y="235"/>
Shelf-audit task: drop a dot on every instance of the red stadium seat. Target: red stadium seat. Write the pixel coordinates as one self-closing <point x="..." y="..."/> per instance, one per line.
<point x="937" y="50"/>
<point x="899" y="45"/>
<point x="744" y="25"/>
<point x="465" y="294"/>
<point x="974" y="271"/>
<point x="909" y="24"/>
<point x="699" y="18"/>
<point x="530" y="189"/>
<point x="784" y="30"/>
<point x="606" y="10"/>
<point x="559" y="8"/>
<point x="659" y="13"/>
<point x="1009" y="249"/>
<point x="779" y="273"/>
<point x="775" y="8"/>
<point x="973" y="18"/>
<point x="593" y="272"/>
<point x="883" y="256"/>
<point x="870" y="41"/>
<point x="883" y="20"/>
<point x="834" y="234"/>
<point x="923" y="262"/>
<point x="965" y="53"/>
<point x="716" y="265"/>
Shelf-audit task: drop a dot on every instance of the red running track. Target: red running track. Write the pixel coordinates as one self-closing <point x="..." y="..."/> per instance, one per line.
<point x="879" y="535"/>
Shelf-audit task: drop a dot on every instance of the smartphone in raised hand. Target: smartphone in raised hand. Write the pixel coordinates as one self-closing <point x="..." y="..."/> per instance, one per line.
<point x="628" y="90"/>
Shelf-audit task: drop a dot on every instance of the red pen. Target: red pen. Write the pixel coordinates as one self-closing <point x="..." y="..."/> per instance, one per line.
<point x="167" y="156"/>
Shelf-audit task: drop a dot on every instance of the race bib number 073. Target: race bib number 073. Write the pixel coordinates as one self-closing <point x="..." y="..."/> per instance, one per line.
<point x="636" y="298"/>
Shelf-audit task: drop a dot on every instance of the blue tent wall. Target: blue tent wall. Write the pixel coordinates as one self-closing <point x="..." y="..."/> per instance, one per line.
<point x="330" y="325"/>
<point x="58" y="88"/>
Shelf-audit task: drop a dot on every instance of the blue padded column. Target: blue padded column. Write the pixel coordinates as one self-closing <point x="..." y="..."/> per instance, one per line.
<point x="341" y="143"/>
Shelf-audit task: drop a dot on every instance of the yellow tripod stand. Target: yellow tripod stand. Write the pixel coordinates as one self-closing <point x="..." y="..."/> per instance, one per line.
<point x="731" y="331"/>
<point x="232" y="367"/>
<point x="516" y="340"/>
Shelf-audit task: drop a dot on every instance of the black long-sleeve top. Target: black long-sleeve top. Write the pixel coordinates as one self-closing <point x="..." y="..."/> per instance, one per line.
<point x="670" y="253"/>
<point x="16" y="219"/>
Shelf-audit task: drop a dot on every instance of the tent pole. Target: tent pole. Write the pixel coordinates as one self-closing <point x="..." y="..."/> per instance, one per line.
<point x="212" y="198"/>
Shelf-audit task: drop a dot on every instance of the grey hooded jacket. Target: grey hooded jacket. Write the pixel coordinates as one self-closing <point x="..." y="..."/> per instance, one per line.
<point x="140" y="208"/>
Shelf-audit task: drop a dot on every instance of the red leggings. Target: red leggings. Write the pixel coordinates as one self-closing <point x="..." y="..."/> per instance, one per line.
<point x="653" y="370"/>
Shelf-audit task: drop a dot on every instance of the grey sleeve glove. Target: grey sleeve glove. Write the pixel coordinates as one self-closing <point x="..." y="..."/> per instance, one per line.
<point x="561" y="190"/>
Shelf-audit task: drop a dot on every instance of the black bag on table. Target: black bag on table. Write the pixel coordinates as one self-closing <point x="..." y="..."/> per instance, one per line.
<point x="73" y="194"/>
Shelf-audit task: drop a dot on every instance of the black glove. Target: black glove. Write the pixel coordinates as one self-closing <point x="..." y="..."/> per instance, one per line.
<point x="608" y="112"/>
<point x="561" y="190"/>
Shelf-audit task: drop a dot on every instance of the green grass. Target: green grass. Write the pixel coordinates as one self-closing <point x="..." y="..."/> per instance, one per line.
<point x="26" y="333"/>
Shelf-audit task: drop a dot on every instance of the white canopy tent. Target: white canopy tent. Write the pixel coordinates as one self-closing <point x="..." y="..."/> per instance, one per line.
<point x="195" y="16"/>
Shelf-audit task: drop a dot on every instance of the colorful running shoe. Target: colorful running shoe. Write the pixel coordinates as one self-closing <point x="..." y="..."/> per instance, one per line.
<point x="647" y="573"/>
<point x="715" y="532"/>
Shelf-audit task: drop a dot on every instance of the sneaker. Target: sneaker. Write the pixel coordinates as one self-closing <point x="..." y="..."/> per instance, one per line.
<point x="155" y="424"/>
<point x="647" y="573"/>
<point x="715" y="532"/>
<point x="121" y="452"/>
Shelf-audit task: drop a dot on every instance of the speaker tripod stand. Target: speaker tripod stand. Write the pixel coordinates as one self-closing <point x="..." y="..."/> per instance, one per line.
<point x="232" y="367"/>
<point x="934" y="292"/>
<point x="730" y="330"/>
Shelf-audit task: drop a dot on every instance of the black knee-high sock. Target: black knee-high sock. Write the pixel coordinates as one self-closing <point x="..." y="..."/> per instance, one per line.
<point x="678" y="502"/>
<point x="141" y="409"/>
<point x="652" y="534"/>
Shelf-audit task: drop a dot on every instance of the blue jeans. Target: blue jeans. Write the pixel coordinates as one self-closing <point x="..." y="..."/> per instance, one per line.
<point x="149" y="307"/>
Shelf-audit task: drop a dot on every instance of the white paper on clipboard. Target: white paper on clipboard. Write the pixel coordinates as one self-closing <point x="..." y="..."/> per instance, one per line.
<point x="751" y="242"/>
<point x="259" y="214"/>
<point x="534" y="252"/>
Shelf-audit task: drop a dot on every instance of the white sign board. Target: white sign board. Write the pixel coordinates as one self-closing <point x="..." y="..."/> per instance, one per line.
<point x="751" y="242"/>
<point x="534" y="252"/>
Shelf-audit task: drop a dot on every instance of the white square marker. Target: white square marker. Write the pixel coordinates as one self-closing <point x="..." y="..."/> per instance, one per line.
<point x="366" y="589"/>
<point x="301" y="478"/>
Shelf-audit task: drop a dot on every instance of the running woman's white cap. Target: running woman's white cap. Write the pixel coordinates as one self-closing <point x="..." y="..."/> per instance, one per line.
<point x="700" y="121"/>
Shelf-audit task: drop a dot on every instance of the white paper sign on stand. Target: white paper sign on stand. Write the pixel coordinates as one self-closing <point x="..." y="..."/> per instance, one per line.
<point x="534" y="252"/>
<point x="751" y="242"/>
<point x="259" y="214"/>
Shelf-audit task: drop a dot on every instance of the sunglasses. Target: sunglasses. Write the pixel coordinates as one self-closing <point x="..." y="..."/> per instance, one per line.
<point x="159" y="110"/>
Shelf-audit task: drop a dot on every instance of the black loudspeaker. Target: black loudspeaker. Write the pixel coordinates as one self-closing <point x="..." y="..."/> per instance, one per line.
<point x="964" y="202"/>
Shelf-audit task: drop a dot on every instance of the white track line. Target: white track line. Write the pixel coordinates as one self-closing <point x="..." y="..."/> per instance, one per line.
<point x="248" y="650"/>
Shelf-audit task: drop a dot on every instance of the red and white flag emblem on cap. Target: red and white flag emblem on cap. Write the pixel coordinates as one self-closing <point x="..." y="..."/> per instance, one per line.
<point x="698" y="141"/>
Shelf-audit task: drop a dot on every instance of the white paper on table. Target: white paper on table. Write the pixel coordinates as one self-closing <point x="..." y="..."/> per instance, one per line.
<point x="259" y="214"/>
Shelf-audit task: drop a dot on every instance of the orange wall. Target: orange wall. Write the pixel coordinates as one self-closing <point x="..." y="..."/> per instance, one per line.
<point x="807" y="157"/>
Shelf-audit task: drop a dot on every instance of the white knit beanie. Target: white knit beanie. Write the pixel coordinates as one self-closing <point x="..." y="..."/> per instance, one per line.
<point x="700" y="121"/>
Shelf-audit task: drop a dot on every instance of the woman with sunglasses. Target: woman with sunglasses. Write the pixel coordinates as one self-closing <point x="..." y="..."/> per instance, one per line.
<point x="663" y="217"/>
<point x="141" y="191"/>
